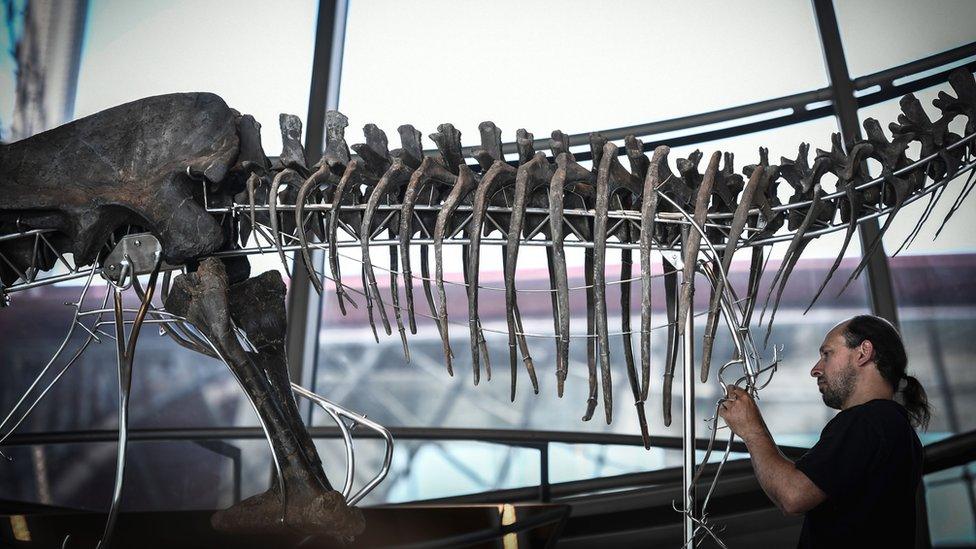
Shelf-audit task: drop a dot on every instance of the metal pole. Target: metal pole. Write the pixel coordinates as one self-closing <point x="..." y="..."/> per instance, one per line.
<point x="880" y="290"/>
<point x="545" y="489"/>
<point x="304" y="305"/>
<point x="688" y="421"/>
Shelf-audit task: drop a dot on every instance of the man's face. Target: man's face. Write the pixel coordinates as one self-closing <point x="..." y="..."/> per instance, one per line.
<point x="835" y="371"/>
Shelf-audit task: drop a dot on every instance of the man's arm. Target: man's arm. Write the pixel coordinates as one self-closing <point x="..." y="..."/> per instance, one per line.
<point x="791" y="490"/>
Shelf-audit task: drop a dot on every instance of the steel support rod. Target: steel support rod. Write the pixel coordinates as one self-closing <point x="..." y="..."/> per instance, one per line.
<point x="688" y="424"/>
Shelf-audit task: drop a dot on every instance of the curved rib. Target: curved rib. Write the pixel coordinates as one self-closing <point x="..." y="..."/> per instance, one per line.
<point x="671" y="356"/>
<point x="854" y="200"/>
<point x="693" y="242"/>
<point x="419" y="180"/>
<point x="600" y="220"/>
<point x="499" y="174"/>
<point x="900" y="188"/>
<point x="386" y="185"/>
<point x="739" y="220"/>
<point x="648" y="210"/>
<point x="626" y="270"/>
<point x="590" y="332"/>
<point x="345" y="184"/>
<point x="517" y="220"/>
<point x="556" y="221"/>
<point x="464" y="184"/>
<point x="395" y="296"/>
<point x="273" y="212"/>
<point x="793" y="255"/>
<point x="313" y="182"/>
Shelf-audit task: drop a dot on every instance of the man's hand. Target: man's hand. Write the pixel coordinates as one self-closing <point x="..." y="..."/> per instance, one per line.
<point x="791" y="490"/>
<point x="741" y="414"/>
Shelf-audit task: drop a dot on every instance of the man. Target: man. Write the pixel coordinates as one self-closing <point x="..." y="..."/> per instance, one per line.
<point x="857" y="485"/>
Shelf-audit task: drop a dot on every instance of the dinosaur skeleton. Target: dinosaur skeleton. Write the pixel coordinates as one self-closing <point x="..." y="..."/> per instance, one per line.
<point x="191" y="173"/>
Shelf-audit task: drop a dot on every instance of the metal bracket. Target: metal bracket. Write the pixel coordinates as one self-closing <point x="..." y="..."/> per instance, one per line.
<point x="675" y="258"/>
<point x="339" y="414"/>
<point x="139" y="252"/>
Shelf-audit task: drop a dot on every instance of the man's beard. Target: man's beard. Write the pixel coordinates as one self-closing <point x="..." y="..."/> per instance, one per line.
<point x="838" y="388"/>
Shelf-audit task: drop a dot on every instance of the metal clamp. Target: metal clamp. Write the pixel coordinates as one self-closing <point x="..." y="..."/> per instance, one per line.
<point x="135" y="254"/>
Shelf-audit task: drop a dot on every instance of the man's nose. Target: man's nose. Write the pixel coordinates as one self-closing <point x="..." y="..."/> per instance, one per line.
<point x="817" y="371"/>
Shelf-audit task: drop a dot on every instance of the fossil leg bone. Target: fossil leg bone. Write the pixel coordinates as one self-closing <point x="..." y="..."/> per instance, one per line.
<point x="311" y="506"/>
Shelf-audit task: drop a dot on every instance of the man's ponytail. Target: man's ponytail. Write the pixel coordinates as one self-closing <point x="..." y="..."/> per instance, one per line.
<point x="916" y="402"/>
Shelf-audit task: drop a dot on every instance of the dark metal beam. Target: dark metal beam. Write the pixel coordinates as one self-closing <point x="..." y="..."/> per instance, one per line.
<point x="514" y="437"/>
<point x="304" y="309"/>
<point x="945" y="454"/>
<point x="880" y="289"/>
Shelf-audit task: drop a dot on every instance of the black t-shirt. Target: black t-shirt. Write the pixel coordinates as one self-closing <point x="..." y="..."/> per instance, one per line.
<point x="869" y="463"/>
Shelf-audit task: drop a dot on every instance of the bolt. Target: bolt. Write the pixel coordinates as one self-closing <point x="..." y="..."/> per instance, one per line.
<point x="137" y="242"/>
<point x="111" y="267"/>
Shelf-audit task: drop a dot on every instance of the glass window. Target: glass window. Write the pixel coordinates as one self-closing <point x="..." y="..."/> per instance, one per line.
<point x="880" y="34"/>
<point x="256" y="55"/>
<point x="577" y="66"/>
<point x="13" y="28"/>
<point x="171" y="386"/>
<point x="951" y="506"/>
<point x="159" y="476"/>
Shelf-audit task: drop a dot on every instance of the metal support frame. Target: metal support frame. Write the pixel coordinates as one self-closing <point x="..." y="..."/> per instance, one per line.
<point x="688" y="423"/>
<point x="545" y="488"/>
<point x="880" y="290"/>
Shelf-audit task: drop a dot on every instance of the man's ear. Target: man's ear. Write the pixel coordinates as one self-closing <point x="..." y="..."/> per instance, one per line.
<point x="865" y="352"/>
